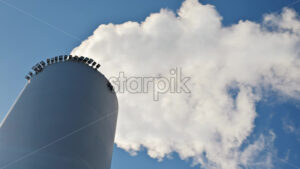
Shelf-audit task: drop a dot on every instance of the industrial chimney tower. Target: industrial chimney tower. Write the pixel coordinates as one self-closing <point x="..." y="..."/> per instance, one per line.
<point x="64" y="118"/>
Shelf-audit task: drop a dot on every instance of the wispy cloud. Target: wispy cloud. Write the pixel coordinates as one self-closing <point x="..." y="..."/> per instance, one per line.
<point x="290" y="127"/>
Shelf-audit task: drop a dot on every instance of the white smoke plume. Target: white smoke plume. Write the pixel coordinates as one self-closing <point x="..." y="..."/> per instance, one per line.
<point x="210" y="123"/>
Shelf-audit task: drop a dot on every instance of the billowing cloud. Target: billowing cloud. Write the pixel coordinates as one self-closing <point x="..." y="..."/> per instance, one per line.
<point x="229" y="68"/>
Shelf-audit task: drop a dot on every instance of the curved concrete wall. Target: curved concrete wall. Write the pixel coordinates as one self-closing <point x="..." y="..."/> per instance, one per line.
<point x="65" y="118"/>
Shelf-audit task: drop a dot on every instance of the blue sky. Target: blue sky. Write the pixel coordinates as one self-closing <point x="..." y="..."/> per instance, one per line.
<point x="34" y="30"/>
